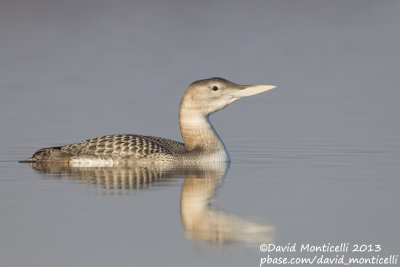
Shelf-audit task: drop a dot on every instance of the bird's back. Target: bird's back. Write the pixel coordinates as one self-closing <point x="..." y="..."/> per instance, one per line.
<point x="126" y="146"/>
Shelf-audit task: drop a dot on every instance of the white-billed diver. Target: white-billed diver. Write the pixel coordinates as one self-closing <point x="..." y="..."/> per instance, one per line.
<point x="200" y="144"/>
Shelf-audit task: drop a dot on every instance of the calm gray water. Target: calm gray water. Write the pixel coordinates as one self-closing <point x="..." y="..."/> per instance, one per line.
<point x="316" y="160"/>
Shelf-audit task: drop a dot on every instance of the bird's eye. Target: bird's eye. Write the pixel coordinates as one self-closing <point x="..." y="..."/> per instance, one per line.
<point x="215" y="88"/>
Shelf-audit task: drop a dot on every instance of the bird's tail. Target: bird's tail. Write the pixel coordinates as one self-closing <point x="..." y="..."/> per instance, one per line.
<point x="47" y="154"/>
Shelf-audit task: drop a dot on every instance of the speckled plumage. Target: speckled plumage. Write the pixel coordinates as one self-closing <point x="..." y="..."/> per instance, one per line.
<point x="125" y="145"/>
<point x="121" y="145"/>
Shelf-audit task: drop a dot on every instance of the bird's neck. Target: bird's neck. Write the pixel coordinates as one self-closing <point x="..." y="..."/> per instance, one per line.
<point x="199" y="135"/>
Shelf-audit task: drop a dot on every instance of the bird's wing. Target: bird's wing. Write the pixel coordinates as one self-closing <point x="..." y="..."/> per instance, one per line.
<point x="124" y="145"/>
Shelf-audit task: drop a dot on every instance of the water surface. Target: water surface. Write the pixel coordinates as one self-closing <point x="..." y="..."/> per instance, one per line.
<point x="314" y="161"/>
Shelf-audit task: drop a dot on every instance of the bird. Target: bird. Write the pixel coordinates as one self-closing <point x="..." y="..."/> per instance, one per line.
<point x="201" y="143"/>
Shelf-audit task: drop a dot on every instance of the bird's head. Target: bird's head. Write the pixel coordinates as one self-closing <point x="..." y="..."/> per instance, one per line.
<point x="210" y="95"/>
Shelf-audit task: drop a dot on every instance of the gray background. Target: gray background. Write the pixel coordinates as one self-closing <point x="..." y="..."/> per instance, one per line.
<point x="317" y="158"/>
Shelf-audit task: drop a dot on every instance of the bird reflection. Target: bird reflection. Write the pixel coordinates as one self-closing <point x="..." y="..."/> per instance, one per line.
<point x="117" y="178"/>
<point x="200" y="219"/>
